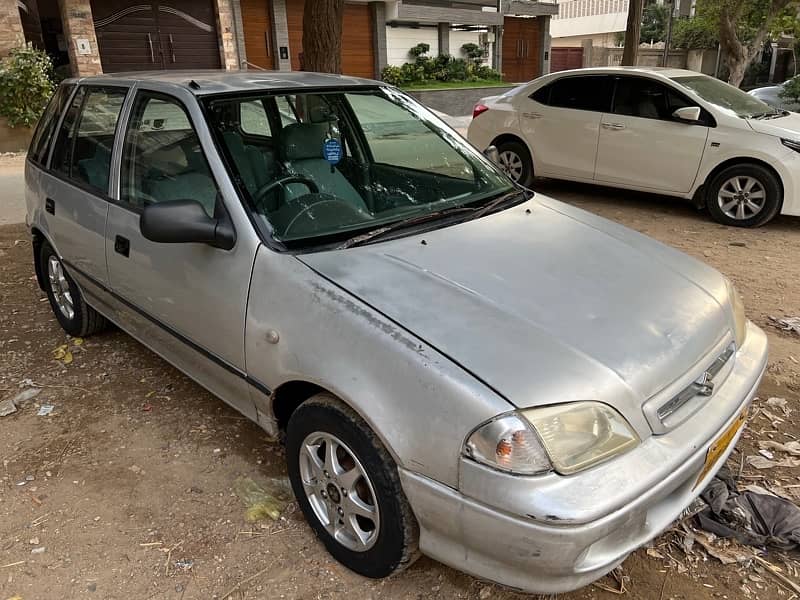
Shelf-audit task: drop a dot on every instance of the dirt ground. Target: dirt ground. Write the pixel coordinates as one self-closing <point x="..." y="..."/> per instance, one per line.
<point x="125" y="491"/>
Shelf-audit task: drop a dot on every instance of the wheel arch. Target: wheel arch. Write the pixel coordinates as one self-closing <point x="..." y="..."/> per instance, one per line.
<point x="38" y="239"/>
<point x="511" y="137"/>
<point x="288" y="396"/>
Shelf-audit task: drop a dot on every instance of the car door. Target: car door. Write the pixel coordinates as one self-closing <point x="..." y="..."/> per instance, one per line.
<point x="185" y="300"/>
<point x="561" y="124"/>
<point x="75" y="188"/>
<point x="642" y="145"/>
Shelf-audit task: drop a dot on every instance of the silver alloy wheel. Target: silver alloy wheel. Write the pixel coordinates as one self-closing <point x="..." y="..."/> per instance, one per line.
<point x="742" y="197"/>
<point x="511" y="164"/>
<point x="339" y="491"/>
<point x="60" y="287"/>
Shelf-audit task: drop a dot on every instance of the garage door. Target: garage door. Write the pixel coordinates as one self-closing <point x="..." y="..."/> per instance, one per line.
<point x="258" y="33"/>
<point x="358" y="47"/>
<point x="563" y="59"/>
<point x="176" y="34"/>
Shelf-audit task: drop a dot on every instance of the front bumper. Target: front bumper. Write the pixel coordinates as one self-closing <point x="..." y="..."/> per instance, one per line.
<point x="633" y="499"/>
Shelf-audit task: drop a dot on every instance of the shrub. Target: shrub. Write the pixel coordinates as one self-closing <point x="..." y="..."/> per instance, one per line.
<point x="473" y="52"/>
<point x="488" y="73"/>
<point x="696" y="33"/>
<point x="393" y="75"/>
<point x="26" y="84"/>
<point x="419" y="50"/>
<point x="791" y="91"/>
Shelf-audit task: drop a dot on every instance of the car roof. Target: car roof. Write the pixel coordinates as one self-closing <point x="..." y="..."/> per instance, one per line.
<point x="657" y="71"/>
<point x="202" y="82"/>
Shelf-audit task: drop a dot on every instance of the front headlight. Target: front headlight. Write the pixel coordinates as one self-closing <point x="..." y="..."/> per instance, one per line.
<point x="739" y="318"/>
<point x="564" y="437"/>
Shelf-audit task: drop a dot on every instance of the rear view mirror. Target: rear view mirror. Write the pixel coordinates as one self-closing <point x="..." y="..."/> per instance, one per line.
<point x="184" y="221"/>
<point x="492" y="154"/>
<point x="690" y="114"/>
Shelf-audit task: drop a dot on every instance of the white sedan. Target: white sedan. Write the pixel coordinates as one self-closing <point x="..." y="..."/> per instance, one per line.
<point x="667" y="131"/>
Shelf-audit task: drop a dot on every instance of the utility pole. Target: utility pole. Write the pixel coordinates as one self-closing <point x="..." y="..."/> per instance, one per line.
<point x="668" y="41"/>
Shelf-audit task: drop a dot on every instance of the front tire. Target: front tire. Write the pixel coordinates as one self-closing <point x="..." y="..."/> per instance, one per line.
<point x="348" y="488"/>
<point x="745" y="195"/>
<point x="70" y="309"/>
<point x="516" y="162"/>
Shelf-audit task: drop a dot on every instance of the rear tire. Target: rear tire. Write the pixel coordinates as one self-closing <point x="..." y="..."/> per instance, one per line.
<point x="353" y="500"/>
<point x="70" y="309"/>
<point x="744" y="195"/>
<point x="516" y="162"/>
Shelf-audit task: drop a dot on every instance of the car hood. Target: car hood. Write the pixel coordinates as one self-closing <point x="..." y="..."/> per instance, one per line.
<point x="543" y="302"/>
<point x="785" y="127"/>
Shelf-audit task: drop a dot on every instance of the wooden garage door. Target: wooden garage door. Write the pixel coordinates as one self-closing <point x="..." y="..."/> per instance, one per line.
<point x="358" y="47"/>
<point x="562" y="59"/>
<point x="173" y="34"/>
<point x="258" y="33"/>
<point x="521" y="47"/>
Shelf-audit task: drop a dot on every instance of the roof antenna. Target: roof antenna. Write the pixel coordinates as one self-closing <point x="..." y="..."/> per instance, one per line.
<point x="194" y="85"/>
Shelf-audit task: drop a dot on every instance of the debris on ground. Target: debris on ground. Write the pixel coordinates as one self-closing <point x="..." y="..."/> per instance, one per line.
<point x="780" y="403"/>
<point x="262" y="502"/>
<point x="9" y="405"/>
<point x="751" y="518"/>
<point x="790" y="324"/>
<point x="63" y="354"/>
<point x="45" y="410"/>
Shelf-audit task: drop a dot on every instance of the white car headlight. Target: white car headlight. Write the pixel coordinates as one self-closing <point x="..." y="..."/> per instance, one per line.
<point x="739" y="318"/>
<point x="581" y="434"/>
<point x="566" y="438"/>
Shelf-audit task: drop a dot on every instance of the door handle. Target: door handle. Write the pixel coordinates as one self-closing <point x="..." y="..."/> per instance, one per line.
<point x="122" y="246"/>
<point x="50" y="206"/>
<point x="532" y="115"/>
<point x="150" y="43"/>
<point x="268" y="43"/>
<point x="613" y="126"/>
<point x="172" y="47"/>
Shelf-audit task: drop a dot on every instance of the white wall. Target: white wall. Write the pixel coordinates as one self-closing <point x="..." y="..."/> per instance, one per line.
<point x="459" y="38"/>
<point x="588" y="26"/>
<point x="399" y="40"/>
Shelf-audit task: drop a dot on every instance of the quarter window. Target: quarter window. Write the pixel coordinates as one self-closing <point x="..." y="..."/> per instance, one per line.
<point x="47" y="124"/>
<point x="83" y="149"/>
<point x="253" y="118"/>
<point x="162" y="159"/>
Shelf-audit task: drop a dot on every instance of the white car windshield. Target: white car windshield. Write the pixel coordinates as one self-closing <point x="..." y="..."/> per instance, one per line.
<point x="325" y="166"/>
<point x="726" y="97"/>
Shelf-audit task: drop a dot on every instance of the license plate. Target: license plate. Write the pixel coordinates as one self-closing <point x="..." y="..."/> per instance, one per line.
<point x="717" y="449"/>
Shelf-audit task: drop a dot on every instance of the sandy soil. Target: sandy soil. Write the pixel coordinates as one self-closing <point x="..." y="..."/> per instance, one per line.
<point x="126" y="490"/>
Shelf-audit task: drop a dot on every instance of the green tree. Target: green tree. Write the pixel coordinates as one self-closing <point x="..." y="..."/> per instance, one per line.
<point x="696" y="33"/>
<point x="791" y="91"/>
<point x="26" y="84"/>
<point x="654" y="23"/>
<point x="322" y="35"/>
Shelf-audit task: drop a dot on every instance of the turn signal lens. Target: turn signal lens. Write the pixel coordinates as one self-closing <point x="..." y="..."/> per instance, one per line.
<point x="739" y="317"/>
<point x="479" y="110"/>
<point x="793" y="144"/>
<point x="509" y="444"/>
<point x="581" y="434"/>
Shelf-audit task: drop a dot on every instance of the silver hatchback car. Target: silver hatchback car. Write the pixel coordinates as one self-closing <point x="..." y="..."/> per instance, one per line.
<point x="508" y="384"/>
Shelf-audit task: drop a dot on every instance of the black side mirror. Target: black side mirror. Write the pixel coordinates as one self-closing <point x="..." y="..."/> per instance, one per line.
<point x="184" y="221"/>
<point x="492" y="154"/>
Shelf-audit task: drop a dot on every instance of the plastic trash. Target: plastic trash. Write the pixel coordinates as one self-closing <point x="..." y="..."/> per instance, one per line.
<point x="268" y="500"/>
<point x="45" y="409"/>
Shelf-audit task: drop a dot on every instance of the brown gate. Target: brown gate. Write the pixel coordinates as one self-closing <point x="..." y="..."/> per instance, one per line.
<point x="174" y="34"/>
<point x="521" y="47"/>
<point x="358" y="47"/>
<point x="258" y="33"/>
<point x="562" y="59"/>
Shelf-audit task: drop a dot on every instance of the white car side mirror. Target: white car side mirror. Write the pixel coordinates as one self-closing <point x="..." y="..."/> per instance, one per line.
<point x="688" y="113"/>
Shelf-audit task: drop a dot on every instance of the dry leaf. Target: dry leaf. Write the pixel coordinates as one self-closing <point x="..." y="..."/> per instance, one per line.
<point x="792" y="448"/>
<point x="759" y="462"/>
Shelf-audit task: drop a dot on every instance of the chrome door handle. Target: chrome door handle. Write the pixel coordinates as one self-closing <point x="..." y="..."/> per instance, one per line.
<point x="172" y="47"/>
<point x="150" y="43"/>
<point x="532" y="115"/>
<point x="613" y="126"/>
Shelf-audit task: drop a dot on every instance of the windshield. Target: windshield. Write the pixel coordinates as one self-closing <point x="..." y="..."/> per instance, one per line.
<point x="725" y="96"/>
<point x="322" y="167"/>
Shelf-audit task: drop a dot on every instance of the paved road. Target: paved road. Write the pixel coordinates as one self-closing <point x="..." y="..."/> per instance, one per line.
<point x="12" y="195"/>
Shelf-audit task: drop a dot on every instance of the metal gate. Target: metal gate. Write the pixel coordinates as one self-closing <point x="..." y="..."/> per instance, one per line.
<point x="174" y="34"/>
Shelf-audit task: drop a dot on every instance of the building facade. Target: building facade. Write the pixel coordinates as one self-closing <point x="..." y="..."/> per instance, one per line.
<point x="87" y="37"/>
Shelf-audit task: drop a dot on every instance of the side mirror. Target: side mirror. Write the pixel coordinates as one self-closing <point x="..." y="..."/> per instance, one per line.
<point x="492" y="154"/>
<point x="184" y="221"/>
<point x="690" y="114"/>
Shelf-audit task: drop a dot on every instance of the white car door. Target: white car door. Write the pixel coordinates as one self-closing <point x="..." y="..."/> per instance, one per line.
<point x="561" y="124"/>
<point x="642" y="145"/>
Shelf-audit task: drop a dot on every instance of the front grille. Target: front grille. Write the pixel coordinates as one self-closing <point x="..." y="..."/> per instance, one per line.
<point x="702" y="386"/>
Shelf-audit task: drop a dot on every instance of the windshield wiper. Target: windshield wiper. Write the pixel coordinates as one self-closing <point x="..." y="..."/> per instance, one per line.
<point x="473" y="212"/>
<point x="769" y="115"/>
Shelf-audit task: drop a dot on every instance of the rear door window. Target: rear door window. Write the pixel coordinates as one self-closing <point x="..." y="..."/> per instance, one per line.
<point x="86" y="139"/>
<point x="47" y="124"/>
<point x="586" y="92"/>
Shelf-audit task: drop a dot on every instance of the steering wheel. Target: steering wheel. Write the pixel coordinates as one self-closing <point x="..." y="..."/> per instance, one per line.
<point x="261" y="193"/>
<point x="334" y="201"/>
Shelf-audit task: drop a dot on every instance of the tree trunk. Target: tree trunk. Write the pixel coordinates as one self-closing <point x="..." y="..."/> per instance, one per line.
<point x="632" y="33"/>
<point x="322" y="36"/>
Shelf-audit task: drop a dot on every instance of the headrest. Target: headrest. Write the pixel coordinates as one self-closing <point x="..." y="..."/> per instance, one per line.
<point x="303" y="140"/>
